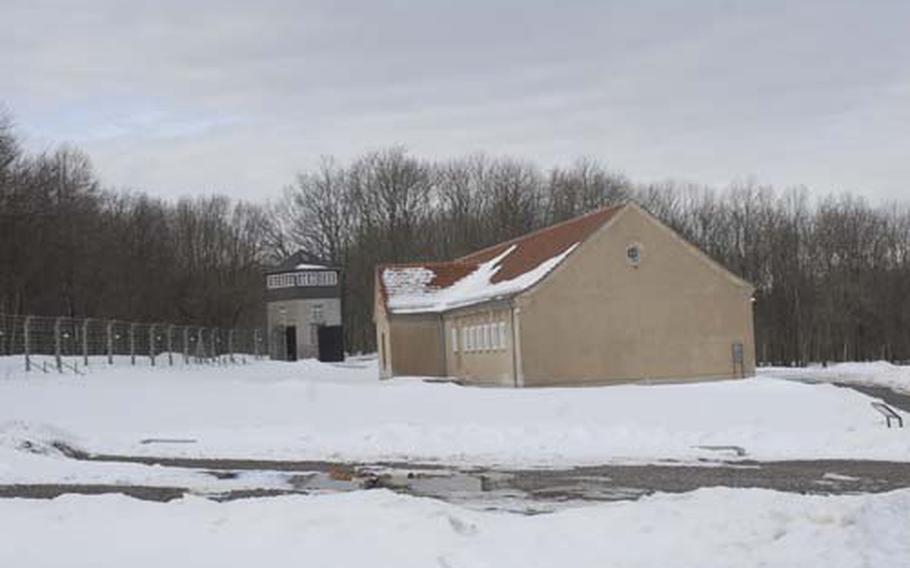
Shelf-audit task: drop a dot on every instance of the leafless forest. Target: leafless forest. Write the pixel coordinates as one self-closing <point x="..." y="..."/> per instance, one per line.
<point x="832" y="274"/>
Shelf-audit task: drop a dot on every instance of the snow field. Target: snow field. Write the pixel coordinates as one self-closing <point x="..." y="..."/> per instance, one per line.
<point x="706" y="528"/>
<point x="310" y="410"/>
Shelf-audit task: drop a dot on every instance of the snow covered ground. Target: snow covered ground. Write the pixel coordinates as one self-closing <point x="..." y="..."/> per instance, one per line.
<point x="380" y="528"/>
<point x="877" y="374"/>
<point x="308" y="410"/>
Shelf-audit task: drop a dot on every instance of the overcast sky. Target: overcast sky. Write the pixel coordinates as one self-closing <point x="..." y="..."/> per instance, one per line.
<point x="183" y="97"/>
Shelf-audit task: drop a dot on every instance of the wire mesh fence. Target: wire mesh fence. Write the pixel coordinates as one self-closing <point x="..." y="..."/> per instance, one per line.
<point x="61" y="344"/>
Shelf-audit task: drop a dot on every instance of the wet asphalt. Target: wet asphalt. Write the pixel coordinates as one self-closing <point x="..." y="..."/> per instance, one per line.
<point x="528" y="490"/>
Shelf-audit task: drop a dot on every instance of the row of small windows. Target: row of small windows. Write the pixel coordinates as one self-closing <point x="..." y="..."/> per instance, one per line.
<point x="301" y="279"/>
<point x="484" y="337"/>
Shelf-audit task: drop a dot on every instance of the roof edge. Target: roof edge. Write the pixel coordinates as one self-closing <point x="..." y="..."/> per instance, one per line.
<point x="697" y="251"/>
<point x="598" y="211"/>
<point x="622" y="208"/>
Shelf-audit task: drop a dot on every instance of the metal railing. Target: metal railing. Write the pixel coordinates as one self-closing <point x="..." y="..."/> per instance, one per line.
<point x="888" y="413"/>
<point x="63" y="344"/>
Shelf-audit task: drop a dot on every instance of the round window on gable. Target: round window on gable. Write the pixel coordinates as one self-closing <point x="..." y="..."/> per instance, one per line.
<point x="633" y="254"/>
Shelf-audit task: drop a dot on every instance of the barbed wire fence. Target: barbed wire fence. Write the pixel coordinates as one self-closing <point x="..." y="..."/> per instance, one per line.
<point x="62" y="344"/>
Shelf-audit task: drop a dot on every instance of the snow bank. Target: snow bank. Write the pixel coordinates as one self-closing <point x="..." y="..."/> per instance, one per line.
<point x="309" y="410"/>
<point x="29" y="455"/>
<point x="379" y="528"/>
<point x="878" y="374"/>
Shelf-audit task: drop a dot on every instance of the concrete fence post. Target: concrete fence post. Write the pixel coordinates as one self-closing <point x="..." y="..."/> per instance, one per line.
<point x="109" y="336"/>
<point x="230" y="345"/>
<point x="26" y="342"/>
<point x="214" y="353"/>
<point x="132" y="344"/>
<point x="152" y="344"/>
<point x="186" y="345"/>
<point x="170" y="345"/>
<point x="200" y="347"/>
<point x="85" y="341"/>
<point x="256" y="341"/>
<point x="57" y="350"/>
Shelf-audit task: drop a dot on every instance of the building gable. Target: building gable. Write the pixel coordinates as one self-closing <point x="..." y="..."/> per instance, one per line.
<point x="668" y="312"/>
<point x="603" y="236"/>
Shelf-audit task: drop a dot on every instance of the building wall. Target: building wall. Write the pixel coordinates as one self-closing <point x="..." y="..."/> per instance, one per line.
<point x="599" y="319"/>
<point x="414" y="344"/>
<point x="299" y="313"/>
<point x="484" y="362"/>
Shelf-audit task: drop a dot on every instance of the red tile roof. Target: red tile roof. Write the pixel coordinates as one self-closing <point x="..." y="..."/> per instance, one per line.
<point x="536" y="247"/>
<point x="528" y="252"/>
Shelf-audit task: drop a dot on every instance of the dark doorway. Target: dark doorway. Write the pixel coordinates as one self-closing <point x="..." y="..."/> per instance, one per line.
<point x="331" y="343"/>
<point x="290" y="342"/>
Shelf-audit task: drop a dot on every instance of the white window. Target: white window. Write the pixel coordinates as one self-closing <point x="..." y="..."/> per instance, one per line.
<point x="502" y="334"/>
<point x="302" y="279"/>
<point x="486" y="336"/>
<point x="454" y="340"/>
<point x="469" y="338"/>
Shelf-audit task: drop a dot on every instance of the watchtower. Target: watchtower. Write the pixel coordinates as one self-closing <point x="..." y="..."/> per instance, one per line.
<point x="303" y="303"/>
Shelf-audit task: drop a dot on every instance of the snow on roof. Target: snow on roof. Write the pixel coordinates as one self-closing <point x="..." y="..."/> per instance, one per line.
<point x="410" y="288"/>
<point x="310" y="267"/>
<point x="502" y="270"/>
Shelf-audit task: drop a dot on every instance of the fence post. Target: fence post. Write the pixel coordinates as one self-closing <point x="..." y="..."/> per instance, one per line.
<point x="170" y="345"/>
<point x="200" y="348"/>
<point x="214" y="353"/>
<point x="132" y="344"/>
<point x="231" y="345"/>
<point x="152" y="344"/>
<point x="26" y="343"/>
<point x="85" y="341"/>
<point x="256" y="343"/>
<point x="109" y="329"/>
<point x="186" y="345"/>
<point x="57" y="354"/>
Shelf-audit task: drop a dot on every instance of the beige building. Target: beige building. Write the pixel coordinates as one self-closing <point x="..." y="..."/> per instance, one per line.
<point x="612" y="296"/>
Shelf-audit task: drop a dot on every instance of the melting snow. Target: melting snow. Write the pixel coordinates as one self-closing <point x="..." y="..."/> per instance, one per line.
<point x="410" y="291"/>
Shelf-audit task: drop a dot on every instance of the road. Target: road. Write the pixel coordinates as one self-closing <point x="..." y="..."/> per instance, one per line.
<point x="523" y="490"/>
<point x="896" y="399"/>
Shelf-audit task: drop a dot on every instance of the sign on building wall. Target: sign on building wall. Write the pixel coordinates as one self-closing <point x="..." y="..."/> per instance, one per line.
<point x="305" y="279"/>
